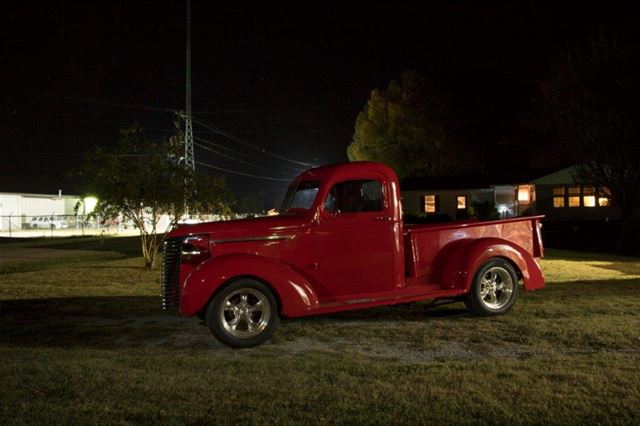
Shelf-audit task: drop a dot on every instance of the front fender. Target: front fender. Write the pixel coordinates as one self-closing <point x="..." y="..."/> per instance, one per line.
<point x="293" y="292"/>
<point x="467" y="258"/>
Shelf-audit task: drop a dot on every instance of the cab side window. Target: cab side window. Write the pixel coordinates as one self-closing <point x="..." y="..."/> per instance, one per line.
<point x="355" y="196"/>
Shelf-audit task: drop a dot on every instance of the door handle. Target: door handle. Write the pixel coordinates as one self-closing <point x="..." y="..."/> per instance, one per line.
<point x="385" y="218"/>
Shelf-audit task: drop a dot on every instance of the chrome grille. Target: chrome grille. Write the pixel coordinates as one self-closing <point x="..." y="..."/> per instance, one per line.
<point x="171" y="274"/>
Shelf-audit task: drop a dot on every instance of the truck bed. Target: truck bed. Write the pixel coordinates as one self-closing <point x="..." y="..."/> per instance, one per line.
<point x="425" y="246"/>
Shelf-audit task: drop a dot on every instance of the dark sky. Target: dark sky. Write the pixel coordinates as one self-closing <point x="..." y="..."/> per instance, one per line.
<point x="290" y="78"/>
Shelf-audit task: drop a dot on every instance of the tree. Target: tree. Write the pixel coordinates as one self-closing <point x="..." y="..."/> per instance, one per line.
<point x="408" y="127"/>
<point x="142" y="181"/>
<point x="592" y="103"/>
<point x="252" y="205"/>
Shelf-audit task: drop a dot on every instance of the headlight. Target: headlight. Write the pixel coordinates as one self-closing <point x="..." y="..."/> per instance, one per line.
<point x="195" y="249"/>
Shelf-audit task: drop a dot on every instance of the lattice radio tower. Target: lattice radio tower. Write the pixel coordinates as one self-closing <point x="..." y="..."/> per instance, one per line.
<point x="189" y="161"/>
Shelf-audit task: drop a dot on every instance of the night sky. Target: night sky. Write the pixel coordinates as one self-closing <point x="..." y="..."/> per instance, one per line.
<point x="289" y="78"/>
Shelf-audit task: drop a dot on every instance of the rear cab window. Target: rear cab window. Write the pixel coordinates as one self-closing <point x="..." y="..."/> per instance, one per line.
<point x="355" y="196"/>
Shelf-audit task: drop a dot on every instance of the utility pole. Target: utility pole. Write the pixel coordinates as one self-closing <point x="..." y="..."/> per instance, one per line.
<point x="189" y="161"/>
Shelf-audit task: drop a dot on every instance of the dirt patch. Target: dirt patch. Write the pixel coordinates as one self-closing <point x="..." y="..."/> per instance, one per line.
<point x="180" y="333"/>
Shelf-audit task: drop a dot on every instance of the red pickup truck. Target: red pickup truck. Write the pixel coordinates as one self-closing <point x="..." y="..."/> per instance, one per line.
<point x="339" y="243"/>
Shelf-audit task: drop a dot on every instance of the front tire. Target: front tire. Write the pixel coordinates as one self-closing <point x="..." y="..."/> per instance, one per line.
<point x="494" y="289"/>
<point x="243" y="314"/>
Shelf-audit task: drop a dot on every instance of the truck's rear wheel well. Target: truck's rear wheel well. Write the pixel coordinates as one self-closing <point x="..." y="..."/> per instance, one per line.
<point x="234" y="279"/>
<point x="515" y="267"/>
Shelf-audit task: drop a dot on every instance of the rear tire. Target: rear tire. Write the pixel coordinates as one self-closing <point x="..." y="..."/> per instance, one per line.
<point x="243" y="314"/>
<point x="494" y="289"/>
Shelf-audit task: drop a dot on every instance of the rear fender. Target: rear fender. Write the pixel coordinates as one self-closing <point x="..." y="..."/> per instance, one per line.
<point x="463" y="263"/>
<point x="293" y="292"/>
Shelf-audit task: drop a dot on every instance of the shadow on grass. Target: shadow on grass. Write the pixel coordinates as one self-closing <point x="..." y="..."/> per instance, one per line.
<point x="137" y="321"/>
<point x="581" y="256"/>
<point x="410" y="312"/>
<point x="127" y="246"/>
<point x="105" y="322"/>
<point x="627" y="268"/>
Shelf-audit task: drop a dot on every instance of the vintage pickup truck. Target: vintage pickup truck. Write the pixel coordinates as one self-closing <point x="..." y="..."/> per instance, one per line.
<point x="339" y="243"/>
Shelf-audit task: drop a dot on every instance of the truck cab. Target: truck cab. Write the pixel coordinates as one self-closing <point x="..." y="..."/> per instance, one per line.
<point x="339" y="243"/>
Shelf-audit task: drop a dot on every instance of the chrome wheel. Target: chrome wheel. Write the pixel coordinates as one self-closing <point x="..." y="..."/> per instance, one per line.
<point x="496" y="288"/>
<point x="245" y="313"/>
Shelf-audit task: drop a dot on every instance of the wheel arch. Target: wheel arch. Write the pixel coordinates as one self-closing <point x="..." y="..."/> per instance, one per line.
<point x="293" y="292"/>
<point x="232" y="280"/>
<point x="463" y="264"/>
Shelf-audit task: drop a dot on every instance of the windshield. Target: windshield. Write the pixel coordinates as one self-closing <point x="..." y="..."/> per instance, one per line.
<point x="300" y="195"/>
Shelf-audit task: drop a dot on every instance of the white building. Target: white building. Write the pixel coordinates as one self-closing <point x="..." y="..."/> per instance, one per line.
<point x="19" y="209"/>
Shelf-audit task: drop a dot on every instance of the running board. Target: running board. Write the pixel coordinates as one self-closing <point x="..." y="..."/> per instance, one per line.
<point x="370" y="302"/>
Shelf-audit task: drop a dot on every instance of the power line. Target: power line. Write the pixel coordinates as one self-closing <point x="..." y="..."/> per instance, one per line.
<point x="235" y="111"/>
<point x="55" y="154"/>
<point x="242" y="142"/>
<point x="89" y="122"/>
<point x="261" y="191"/>
<point x="88" y="100"/>
<point x="239" y="160"/>
<point x="241" y="173"/>
<point x="295" y="169"/>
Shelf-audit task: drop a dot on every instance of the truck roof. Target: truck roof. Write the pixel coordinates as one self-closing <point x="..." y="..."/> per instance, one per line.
<point x="347" y="169"/>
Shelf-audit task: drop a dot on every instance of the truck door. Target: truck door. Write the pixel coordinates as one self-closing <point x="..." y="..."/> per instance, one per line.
<point x="355" y="239"/>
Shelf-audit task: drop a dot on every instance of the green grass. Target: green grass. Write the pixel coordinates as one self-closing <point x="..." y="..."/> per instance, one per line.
<point x="85" y="342"/>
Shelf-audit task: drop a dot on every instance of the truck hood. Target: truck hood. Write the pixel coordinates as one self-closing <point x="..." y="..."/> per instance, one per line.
<point x="243" y="227"/>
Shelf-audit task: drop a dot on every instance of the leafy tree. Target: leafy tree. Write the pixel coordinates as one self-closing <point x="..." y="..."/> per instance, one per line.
<point x="142" y="181"/>
<point x="252" y="205"/>
<point x="408" y="127"/>
<point x="592" y="103"/>
<point x="483" y="210"/>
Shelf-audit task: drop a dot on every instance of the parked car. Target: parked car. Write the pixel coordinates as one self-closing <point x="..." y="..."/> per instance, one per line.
<point x="48" y="222"/>
<point x="338" y="244"/>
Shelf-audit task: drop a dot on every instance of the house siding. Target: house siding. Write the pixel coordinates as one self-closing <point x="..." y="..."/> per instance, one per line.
<point x="545" y="206"/>
<point x="412" y="201"/>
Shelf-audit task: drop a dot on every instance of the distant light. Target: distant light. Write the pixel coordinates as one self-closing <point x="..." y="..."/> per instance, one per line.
<point x="90" y="204"/>
<point x="524" y="195"/>
<point x="502" y="208"/>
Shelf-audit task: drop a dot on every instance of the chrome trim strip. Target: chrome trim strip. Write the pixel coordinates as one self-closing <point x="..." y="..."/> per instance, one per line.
<point x="353" y="301"/>
<point x="244" y="240"/>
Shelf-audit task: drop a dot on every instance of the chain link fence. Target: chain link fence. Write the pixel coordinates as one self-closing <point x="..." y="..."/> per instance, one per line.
<point x="27" y="226"/>
<point x="14" y="226"/>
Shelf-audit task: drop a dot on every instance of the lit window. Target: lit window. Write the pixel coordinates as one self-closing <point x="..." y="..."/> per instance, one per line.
<point x="430" y="203"/>
<point x="462" y="202"/>
<point x="589" y="196"/>
<point x="558" y="196"/>
<point x="524" y="194"/>
<point x="574" y="196"/>
<point x="604" y="198"/>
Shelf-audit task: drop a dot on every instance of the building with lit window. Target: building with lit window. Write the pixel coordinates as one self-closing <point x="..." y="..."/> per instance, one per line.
<point x="456" y="196"/>
<point x="560" y="196"/>
<point x="557" y="195"/>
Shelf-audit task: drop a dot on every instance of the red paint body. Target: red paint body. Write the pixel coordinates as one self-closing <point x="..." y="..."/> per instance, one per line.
<point x="317" y="262"/>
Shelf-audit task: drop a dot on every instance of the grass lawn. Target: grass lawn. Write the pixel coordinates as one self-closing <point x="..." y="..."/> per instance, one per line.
<point x="82" y="340"/>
